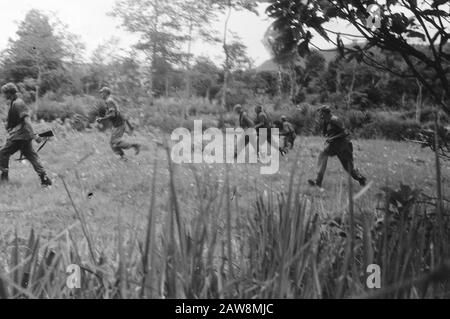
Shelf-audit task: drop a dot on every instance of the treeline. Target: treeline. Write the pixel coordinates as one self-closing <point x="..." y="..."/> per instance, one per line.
<point x="45" y="59"/>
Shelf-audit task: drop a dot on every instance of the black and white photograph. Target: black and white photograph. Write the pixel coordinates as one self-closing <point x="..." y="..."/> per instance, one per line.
<point x="225" y="155"/>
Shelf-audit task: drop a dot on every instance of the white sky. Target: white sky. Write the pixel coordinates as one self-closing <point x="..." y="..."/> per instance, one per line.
<point x="88" y="19"/>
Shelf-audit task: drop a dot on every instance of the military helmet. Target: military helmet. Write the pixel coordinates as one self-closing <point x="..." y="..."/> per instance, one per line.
<point x="237" y="107"/>
<point x="325" y="109"/>
<point x="105" y="89"/>
<point x="9" y="88"/>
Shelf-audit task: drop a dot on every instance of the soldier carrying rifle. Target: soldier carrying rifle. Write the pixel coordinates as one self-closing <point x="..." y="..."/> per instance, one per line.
<point x="20" y="136"/>
<point x="118" y="144"/>
<point x="287" y="131"/>
<point x="337" y="144"/>
<point x="262" y="121"/>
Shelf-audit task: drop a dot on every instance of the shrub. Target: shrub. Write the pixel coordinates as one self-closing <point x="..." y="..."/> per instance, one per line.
<point x="302" y="117"/>
<point x="357" y="119"/>
<point x="427" y="115"/>
<point x="237" y="93"/>
<point x="70" y="107"/>
<point x="389" y="128"/>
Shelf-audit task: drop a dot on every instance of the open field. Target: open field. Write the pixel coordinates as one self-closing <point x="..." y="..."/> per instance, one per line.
<point x="120" y="186"/>
<point x="114" y="196"/>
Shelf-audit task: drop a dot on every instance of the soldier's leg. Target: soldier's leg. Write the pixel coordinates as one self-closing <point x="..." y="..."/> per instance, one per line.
<point x="26" y="147"/>
<point x="263" y="138"/>
<point x="321" y="167"/>
<point x="285" y="145"/>
<point x="322" y="164"/>
<point x="116" y="136"/>
<point x="269" y="137"/>
<point x="247" y="139"/>
<point x="292" y="141"/>
<point x="345" y="156"/>
<point x="5" y="153"/>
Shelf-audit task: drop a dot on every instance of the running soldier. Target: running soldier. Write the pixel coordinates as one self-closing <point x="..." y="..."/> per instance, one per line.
<point x="119" y="123"/>
<point x="20" y="136"/>
<point x="288" y="132"/>
<point x="262" y="122"/>
<point x="244" y="122"/>
<point x="337" y="144"/>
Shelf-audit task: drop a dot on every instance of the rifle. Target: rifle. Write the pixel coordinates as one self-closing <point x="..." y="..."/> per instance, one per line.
<point x="46" y="135"/>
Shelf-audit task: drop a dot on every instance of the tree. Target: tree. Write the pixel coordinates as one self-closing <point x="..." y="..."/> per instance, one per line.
<point x="205" y="76"/>
<point x="39" y="53"/>
<point x="198" y="16"/>
<point x="227" y="6"/>
<point x="159" y="24"/>
<point x="395" y="27"/>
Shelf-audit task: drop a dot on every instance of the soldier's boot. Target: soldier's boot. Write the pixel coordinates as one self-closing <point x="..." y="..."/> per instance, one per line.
<point x="137" y="148"/>
<point x="314" y="183"/>
<point x="362" y="181"/>
<point x="45" y="180"/>
<point x="4" y="177"/>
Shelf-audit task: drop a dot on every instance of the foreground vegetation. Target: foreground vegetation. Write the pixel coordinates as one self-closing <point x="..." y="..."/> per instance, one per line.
<point x="145" y="228"/>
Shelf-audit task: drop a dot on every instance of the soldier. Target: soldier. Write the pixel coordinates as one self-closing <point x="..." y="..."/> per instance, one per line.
<point x="262" y="121"/>
<point x="288" y="132"/>
<point x="244" y="122"/>
<point x="118" y="122"/>
<point x="20" y="136"/>
<point x="337" y="144"/>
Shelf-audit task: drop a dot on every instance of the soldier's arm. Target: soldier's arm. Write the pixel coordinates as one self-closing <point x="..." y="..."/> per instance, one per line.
<point x="27" y="122"/>
<point x="259" y="121"/>
<point x="247" y="121"/>
<point x="109" y="115"/>
<point x="111" y="112"/>
<point x="250" y="123"/>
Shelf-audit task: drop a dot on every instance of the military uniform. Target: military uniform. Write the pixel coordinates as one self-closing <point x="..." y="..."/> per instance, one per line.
<point x="262" y="122"/>
<point x="245" y="123"/>
<point x="20" y="139"/>
<point x="118" y="144"/>
<point x="288" y="131"/>
<point x="337" y="144"/>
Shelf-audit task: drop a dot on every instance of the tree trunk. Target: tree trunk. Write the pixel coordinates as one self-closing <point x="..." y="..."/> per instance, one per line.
<point x="280" y="82"/>
<point x="227" y="60"/>
<point x="38" y="92"/>
<point x="351" y="89"/>
<point x="338" y="81"/>
<point x="188" y="64"/>
<point x="419" y="102"/>
<point x="150" y="85"/>
<point x="293" y="83"/>
<point x="167" y="84"/>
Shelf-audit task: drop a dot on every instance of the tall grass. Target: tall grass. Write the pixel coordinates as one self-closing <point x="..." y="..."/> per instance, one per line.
<point x="284" y="246"/>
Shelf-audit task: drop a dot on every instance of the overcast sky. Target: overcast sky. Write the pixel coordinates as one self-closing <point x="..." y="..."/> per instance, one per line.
<point x="89" y="19"/>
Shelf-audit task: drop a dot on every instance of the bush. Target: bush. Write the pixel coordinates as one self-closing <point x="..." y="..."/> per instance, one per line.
<point x="427" y="115"/>
<point x="237" y="93"/>
<point x="357" y="120"/>
<point x="302" y="117"/>
<point x="389" y="128"/>
<point x="70" y="107"/>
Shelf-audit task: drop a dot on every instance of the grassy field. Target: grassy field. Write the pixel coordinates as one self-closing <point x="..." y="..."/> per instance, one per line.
<point x="114" y="197"/>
